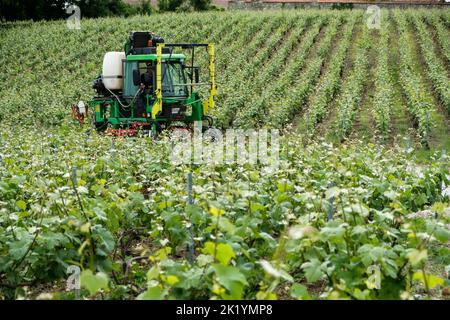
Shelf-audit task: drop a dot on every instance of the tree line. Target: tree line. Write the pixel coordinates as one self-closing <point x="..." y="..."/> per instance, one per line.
<point x="11" y="10"/>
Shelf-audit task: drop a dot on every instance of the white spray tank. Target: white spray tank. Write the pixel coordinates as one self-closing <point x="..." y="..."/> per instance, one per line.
<point x="113" y="70"/>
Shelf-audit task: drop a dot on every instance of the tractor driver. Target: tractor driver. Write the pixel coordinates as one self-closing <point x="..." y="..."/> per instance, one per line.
<point x="145" y="87"/>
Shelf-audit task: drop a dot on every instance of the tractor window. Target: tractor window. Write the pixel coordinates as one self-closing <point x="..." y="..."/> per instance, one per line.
<point x="129" y="89"/>
<point x="147" y="74"/>
<point x="144" y="67"/>
<point x="173" y="80"/>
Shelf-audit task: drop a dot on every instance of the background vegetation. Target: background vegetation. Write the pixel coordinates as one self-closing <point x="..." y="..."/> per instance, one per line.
<point x="11" y="10"/>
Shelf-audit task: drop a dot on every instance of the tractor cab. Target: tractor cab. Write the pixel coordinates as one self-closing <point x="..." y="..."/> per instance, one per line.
<point x="141" y="71"/>
<point x="149" y="86"/>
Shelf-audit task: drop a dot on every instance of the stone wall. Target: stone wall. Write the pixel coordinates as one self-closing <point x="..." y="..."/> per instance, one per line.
<point x="327" y="4"/>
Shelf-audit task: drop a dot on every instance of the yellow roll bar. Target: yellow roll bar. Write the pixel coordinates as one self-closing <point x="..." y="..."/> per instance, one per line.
<point x="157" y="107"/>
<point x="209" y="102"/>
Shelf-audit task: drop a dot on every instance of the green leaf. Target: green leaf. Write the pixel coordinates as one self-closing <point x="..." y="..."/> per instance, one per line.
<point x="164" y="204"/>
<point x="171" y="280"/>
<point x="161" y="254"/>
<point x="284" y="186"/>
<point x="334" y="234"/>
<point x="92" y="282"/>
<point x="432" y="280"/>
<point x="358" y="231"/>
<point x="254" y="176"/>
<point x="153" y="273"/>
<point x="236" y="290"/>
<point x="300" y="292"/>
<point x="21" y="204"/>
<point x="153" y="293"/>
<point x="255" y="206"/>
<point x="442" y="234"/>
<point x="203" y="259"/>
<point x="85" y="228"/>
<point x="208" y="248"/>
<point x="224" y="253"/>
<point x="361" y="295"/>
<point x="216" y="211"/>
<point x="226" y="225"/>
<point x="17" y="249"/>
<point x="227" y="276"/>
<point x="313" y="271"/>
<point x="360" y="209"/>
<point x="390" y="194"/>
<point x="105" y="240"/>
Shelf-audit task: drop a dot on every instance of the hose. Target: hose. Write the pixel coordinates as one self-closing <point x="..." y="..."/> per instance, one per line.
<point x="118" y="100"/>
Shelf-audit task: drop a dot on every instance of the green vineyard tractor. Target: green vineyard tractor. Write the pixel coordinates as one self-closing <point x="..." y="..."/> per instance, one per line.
<point x="149" y="87"/>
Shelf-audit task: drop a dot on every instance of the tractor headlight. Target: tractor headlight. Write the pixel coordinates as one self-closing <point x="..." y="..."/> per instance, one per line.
<point x="175" y="111"/>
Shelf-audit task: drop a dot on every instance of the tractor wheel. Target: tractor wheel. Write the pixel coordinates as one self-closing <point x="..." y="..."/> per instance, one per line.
<point x="209" y="122"/>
